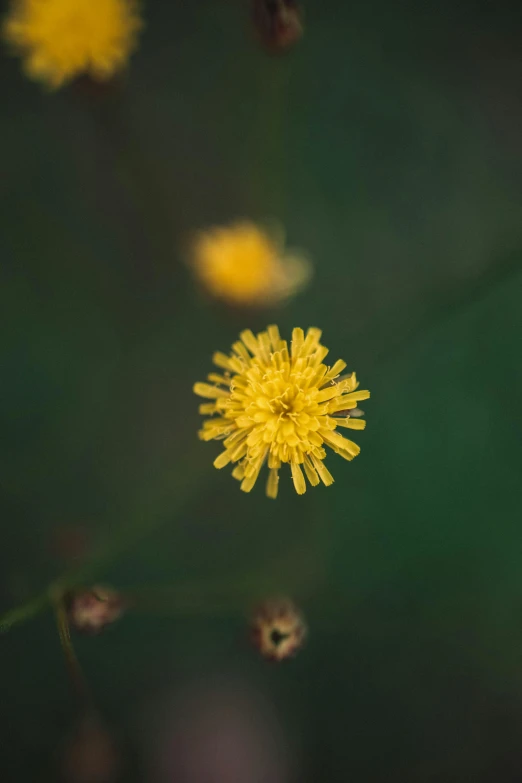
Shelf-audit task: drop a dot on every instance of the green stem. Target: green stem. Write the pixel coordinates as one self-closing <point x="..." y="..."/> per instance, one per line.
<point x="449" y="304"/>
<point x="78" y="681"/>
<point x="295" y="571"/>
<point x="25" y="612"/>
<point x="146" y="516"/>
<point x="142" y="208"/>
<point x="270" y="136"/>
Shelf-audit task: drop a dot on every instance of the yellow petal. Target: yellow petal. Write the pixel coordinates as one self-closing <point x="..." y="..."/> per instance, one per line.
<point x="223" y="459"/>
<point x="214" y="377"/>
<point x="310" y="471"/>
<point x="275" y="339"/>
<point x="210" y="392"/>
<point x="272" y="483"/>
<point x="239" y="472"/>
<point x="250" y="341"/>
<point x="242" y="352"/>
<point x="239" y="451"/>
<point x="324" y="474"/>
<point x="334" y="371"/>
<point x="356" y="396"/>
<point x="299" y="479"/>
<point x="341" y="404"/>
<point x="221" y="360"/>
<point x="264" y="347"/>
<point x="297" y="342"/>
<point x="207" y="408"/>
<point x="313" y="336"/>
<point x="338" y="443"/>
<point x="248" y="483"/>
<point x="327" y="394"/>
<point x="351" y="424"/>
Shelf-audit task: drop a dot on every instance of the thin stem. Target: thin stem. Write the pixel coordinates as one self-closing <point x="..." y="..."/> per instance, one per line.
<point x="132" y="187"/>
<point x="296" y="571"/>
<point x="78" y="681"/>
<point x="147" y="515"/>
<point x="270" y="137"/>
<point x="460" y="299"/>
<point x="24" y="612"/>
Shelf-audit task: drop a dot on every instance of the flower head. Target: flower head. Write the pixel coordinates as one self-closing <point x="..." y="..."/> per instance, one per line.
<point x="278" y="629"/>
<point x="278" y="405"/>
<point x="63" y="39"/>
<point x="245" y="265"/>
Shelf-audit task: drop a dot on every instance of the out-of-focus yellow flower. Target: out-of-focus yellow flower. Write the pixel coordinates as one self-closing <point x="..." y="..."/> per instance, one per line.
<point x="276" y="405"/>
<point x="245" y="265"/>
<point x="62" y="39"/>
<point x="278" y="629"/>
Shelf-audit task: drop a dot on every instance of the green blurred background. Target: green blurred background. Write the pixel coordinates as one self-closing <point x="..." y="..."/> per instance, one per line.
<point x="389" y="142"/>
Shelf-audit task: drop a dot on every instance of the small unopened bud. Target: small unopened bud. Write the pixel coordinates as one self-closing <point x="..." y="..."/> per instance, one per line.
<point x="278" y="23"/>
<point x="278" y="629"/>
<point x="89" y="611"/>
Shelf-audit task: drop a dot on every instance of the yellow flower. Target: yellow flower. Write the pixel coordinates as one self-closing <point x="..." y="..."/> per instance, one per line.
<point x="245" y="265"/>
<point x="279" y="406"/>
<point x="63" y="39"/>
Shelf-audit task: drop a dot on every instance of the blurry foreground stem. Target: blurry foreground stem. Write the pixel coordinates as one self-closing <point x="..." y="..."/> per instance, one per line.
<point x="76" y="675"/>
<point x="269" y="137"/>
<point x="134" y="190"/>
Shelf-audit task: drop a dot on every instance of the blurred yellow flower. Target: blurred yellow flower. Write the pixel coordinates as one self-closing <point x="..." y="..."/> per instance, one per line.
<point x="62" y="39"/>
<point x="245" y="265"/>
<point x="279" y="406"/>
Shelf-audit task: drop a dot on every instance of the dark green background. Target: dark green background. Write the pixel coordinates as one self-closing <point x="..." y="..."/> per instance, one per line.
<point x="390" y="144"/>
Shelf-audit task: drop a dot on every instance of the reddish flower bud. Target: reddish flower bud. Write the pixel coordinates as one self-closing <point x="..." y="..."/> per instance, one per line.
<point x="278" y="23"/>
<point x="278" y="629"/>
<point x="89" y="611"/>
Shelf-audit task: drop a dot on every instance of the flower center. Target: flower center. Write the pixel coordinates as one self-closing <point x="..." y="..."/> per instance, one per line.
<point x="282" y="403"/>
<point x="276" y="637"/>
